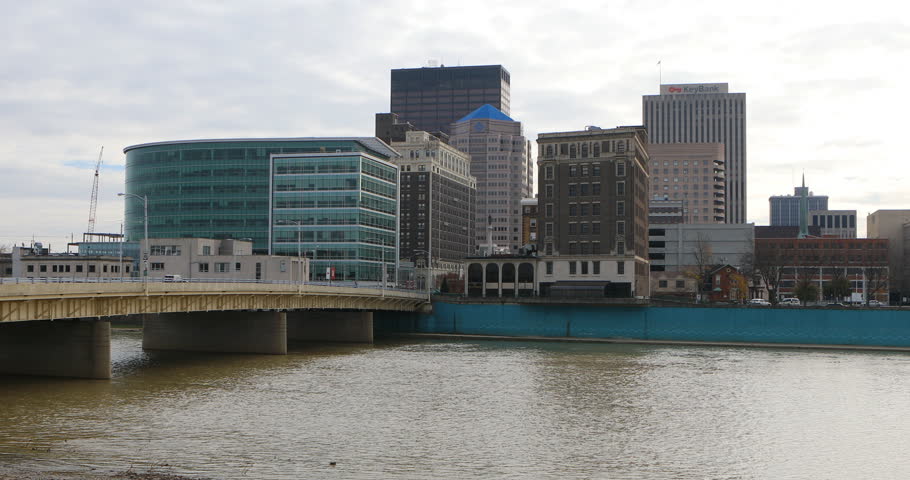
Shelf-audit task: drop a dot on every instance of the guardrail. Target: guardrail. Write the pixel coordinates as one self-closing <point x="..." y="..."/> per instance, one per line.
<point x="134" y="280"/>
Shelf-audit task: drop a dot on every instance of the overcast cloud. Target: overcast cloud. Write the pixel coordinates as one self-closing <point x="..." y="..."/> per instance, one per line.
<point x="822" y="83"/>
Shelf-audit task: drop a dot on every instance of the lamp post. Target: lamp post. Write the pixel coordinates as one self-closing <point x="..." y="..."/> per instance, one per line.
<point x="145" y="214"/>
<point x="299" y="266"/>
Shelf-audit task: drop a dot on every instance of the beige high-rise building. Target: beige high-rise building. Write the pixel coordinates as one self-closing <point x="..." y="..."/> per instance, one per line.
<point x="891" y="224"/>
<point x="691" y="173"/>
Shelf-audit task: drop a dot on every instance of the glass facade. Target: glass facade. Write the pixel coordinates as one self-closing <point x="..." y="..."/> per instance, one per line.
<point x="338" y="209"/>
<point x="216" y="188"/>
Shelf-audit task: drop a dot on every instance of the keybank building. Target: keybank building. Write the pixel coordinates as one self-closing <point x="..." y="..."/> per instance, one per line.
<point x="338" y="196"/>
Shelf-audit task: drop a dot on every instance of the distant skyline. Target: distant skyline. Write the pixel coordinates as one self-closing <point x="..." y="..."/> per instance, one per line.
<point x="824" y="85"/>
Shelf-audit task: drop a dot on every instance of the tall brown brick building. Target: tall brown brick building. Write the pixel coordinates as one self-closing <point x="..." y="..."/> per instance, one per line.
<point x="593" y="209"/>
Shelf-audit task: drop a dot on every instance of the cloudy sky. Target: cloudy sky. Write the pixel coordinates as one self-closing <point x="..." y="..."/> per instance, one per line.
<point x="822" y="83"/>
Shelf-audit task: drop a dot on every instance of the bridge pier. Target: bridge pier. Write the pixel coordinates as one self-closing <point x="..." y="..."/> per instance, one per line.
<point x="313" y="326"/>
<point x="79" y="348"/>
<point x="226" y="332"/>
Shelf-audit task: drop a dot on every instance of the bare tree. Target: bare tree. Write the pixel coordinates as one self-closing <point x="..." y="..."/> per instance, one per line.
<point x="747" y="260"/>
<point x="769" y="265"/>
<point x="704" y="261"/>
<point x="876" y="281"/>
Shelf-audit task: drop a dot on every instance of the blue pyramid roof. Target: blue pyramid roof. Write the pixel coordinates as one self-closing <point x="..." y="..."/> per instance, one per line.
<point x="485" y="112"/>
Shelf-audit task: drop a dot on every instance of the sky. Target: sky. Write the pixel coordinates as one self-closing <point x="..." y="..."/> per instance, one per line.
<point x="823" y="84"/>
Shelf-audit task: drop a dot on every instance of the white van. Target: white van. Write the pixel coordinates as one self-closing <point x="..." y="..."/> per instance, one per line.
<point x="173" y="278"/>
<point x="790" y="302"/>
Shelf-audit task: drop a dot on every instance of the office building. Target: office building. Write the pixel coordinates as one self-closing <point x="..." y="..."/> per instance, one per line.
<point x="217" y="188"/>
<point x="432" y="98"/>
<point x="213" y="260"/>
<point x="665" y="212"/>
<point x="438" y="201"/>
<point x="340" y="209"/>
<point x="892" y="225"/>
<point x="704" y="113"/>
<point x="834" y="223"/>
<point x="785" y="208"/>
<point x="690" y="173"/>
<point x="863" y="262"/>
<point x="36" y="262"/>
<point x="593" y="208"/>
<point x="502" y="164"/>
<point x="675" y="247"/>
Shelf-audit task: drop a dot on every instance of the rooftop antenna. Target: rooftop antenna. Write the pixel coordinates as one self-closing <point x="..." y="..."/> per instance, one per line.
<point x="660" y="73"/>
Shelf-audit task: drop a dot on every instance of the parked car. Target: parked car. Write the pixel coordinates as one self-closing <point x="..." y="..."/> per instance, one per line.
<point x="876" y="303"/>
<point x="834" y="304"/>
<point x="173" y="278"/>
<point x="790" y="302"/>
<point x="761" y="302"/>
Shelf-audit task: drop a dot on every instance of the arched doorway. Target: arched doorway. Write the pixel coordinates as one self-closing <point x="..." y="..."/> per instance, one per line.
<point x="508" y="280"/>
<point x="526" y="280"/>
<point x="475" y="280"/>
<point x="492" y="281"/>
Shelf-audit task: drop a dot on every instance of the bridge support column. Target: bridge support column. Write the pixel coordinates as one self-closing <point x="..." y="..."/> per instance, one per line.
<point x="56" y="348"/>
<point x="312" y="326"/>
<point x="226" y="332"/>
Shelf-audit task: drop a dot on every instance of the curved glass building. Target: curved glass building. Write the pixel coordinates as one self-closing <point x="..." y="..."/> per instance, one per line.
<point x="341" y="193"/>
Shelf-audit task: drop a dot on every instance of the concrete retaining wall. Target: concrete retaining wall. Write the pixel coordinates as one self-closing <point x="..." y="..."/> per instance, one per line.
<point x="870" y="327"/>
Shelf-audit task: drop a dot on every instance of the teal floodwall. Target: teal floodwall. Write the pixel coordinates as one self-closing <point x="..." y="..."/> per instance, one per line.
<point x="824" y="326"/>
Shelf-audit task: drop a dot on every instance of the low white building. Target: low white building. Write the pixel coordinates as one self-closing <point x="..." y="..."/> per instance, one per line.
<point x="210" y="259"/>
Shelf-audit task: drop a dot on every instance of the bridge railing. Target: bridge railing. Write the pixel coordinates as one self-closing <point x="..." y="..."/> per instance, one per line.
<point x="134" y="280"/>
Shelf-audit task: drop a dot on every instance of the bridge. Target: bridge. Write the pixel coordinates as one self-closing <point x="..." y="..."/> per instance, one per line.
<point x="63" y="329"/>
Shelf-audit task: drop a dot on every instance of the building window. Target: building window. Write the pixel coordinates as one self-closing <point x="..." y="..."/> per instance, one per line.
<point x="206" y="250"/>
<point x="548" y="171"/>
<point x="156" y="266"/>
<point x="584" y="229"/>
<point x="620" y="188"/>
<point x="104" y="268"/>
<point x="595" y="267"/>
<point x="584" y="268"/>
<point x="680" y="284"/>
<point x="549" y="267"/>
<point x="595" y="189"/>
<point x="596" y="148"/>
<point x="573" y="190"/>
<point x="31" y="268"/>
<point x="548" y="210"/>
<point x="91" y="269"/>
<point x="573" y="151"/>
<point x="573" y="170"/>
<point x="165" y="250"/>
<point x="620" y="268"/>
<point x="203" y="268"/>
<point x="573" y="209"/>
<point x="621" y="228"/>
<point x="620" y="169"/>
<point x="548" y="229"/>
<point x="662" y="283"/>
<point x="595" y="228"/>
<point x="595" y="248"/>
<point x="43" y="268"/>
<point x="572" y="268"/>
<point x="621" y="247"/>
<point x="585" y="169"/>
<point x="595" y="169"/>
<point x="549" y="150"/>
<point x="548" y="249"/>
<point x="584" y="189"/>
<point x="222" y="267"/>
<point x="595" y="208"/>
<point x="78" y="269"/>
<point x="548" y="190"/>
<point x="585" y="207"/>
<point x="620" y="209"/>
<point x="573" y="228"/>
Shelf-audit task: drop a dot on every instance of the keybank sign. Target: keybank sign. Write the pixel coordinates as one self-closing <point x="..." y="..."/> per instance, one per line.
<point x="693" y="88"/>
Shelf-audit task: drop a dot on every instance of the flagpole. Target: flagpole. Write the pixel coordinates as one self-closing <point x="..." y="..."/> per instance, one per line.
<point x="660" y="77"/>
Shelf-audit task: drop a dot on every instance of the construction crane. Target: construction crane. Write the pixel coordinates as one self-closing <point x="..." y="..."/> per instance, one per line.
<point x="94" y="204"/>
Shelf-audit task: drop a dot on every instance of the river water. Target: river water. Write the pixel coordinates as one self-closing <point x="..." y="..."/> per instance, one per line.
<point x="466" y="409"/>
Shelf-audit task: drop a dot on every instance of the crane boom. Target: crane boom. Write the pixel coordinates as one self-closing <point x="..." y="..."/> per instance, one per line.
<point x="94" y="203"/>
